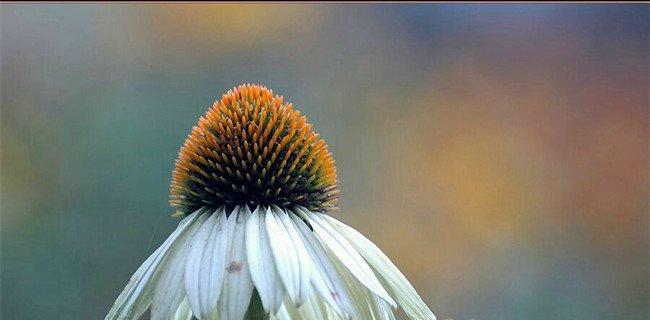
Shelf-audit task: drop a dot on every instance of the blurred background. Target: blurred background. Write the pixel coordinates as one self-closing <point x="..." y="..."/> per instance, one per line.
<point x="499" y="154"/>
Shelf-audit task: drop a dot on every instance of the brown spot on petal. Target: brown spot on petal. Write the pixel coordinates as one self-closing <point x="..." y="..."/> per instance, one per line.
<point x="234" y="267"/>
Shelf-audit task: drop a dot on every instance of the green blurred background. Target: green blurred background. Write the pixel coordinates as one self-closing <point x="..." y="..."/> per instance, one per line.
<point x="499" y="154"/>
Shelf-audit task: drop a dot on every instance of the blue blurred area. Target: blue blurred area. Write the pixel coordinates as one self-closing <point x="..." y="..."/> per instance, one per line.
<point x="498" y="153"/>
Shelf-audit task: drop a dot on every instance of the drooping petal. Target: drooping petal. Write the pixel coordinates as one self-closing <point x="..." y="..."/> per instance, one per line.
<point x="183" y="312"/>
<point x="237" y="283"/>
<point x="396" y="282"/>
<point x="286" y="256"/>
<point x="314" y="309"/>
<point x="137" y="295"/>
<point x="169" y="291"/>
<point x="304" y="260"/>
<point x="325" y="278"/>
<point x="365" y="302"/>
<point x="284" y="314"/>
<point x="383" y="308"/>
<point x="345" y="253"/>
<point x="291" y="309"/>
<point x="206" y="263"/>
<point x="261" y="264"/>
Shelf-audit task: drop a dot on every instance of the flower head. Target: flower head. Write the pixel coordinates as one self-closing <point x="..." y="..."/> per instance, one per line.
<point x="252" y="148"/>
<point x="253" y="183"/>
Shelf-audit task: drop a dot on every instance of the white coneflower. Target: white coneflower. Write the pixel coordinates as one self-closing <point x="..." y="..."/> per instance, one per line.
<point x="253" y="183"/>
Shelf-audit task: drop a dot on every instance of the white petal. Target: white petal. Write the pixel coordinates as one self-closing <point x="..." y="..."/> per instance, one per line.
<point x="286" y="256"/>
<point x="365" y="302"/>
<point x="169" y="291"/>
<point x="183" y="312"/>
<point x="284" y="314"/>
<point x="346" y="253"/>
<point x="306" y="266"/>
<point x="204" y="270"/>
<point x="291" y="309"/>
<point x="384" y="309"/>
<point x="313" y="309"/>
<point x="325" y="278"/>
<point x="237" y="283"/>
<point x="137" y="295"/>
<point x="261" y="264"/>
<point x="397" y="283"/>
